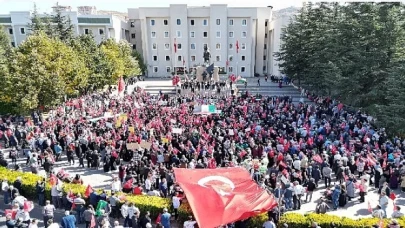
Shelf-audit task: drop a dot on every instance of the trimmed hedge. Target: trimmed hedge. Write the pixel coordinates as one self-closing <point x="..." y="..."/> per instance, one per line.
<point x="154" y="205"/>
<point x="295" y="220"/>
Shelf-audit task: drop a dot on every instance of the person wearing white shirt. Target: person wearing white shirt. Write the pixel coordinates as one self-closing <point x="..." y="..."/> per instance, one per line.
<point x="269" y="224"/>
<point x="176" y="204"/>
<point x="24" y="216"/>
<point x="33" y="224"/>
<point x="148" y="184"/>
<point x="397" y="213"/>
<point x="189" y="223"/>
<point x="297" y="164"/>
<point x="19" y="200"/>
<point x="298" y="190"/>
<point x="116" y="185"/>
<point x="384" y="203"/>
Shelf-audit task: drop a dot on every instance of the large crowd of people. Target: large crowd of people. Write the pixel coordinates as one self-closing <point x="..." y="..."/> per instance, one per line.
<point x="291" y="149"/>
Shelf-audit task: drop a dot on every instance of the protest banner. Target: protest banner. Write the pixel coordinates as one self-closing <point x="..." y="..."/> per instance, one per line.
<point x="177" y="130"/>
<point x="133" y="146"/>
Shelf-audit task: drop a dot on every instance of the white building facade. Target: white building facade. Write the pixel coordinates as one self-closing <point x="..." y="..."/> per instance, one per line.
<point x="241" y="40"/>
<point x="85" y="21"/>
<point x="156" y="31"/>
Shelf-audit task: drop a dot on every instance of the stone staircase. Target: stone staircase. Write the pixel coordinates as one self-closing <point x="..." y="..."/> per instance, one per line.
<point x="153" y="86"/>
<point x="271" y="89"/>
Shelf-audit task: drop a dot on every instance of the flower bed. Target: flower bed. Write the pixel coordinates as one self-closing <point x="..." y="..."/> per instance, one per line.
<point x="295" y="220"/>
<point x="29" y="180"/>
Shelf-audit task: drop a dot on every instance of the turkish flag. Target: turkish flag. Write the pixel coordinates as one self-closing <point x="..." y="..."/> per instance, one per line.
<point x="88" y="191"/>
<point x="317" y="158"/>
<point x="237" y="46"/>
<point x="121" y="85"/>
<point x="233" y="195"/>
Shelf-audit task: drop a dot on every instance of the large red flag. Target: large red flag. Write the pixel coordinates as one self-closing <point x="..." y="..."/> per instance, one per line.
<point x="175" y="45"/>
<point x="88" y="191"/>
<point x="121" y="85"/>
<point x="237" y="46"/>
<point x="232" y="192"/>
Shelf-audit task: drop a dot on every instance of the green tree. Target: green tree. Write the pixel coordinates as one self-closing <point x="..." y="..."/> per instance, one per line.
<point x="43" y="71"/>
<point x="37" y="23"/>
<point x="120" y="59"/>
<point x="139" y="58"/>
<point x="63" y="28"/>
<point x="99" y="68"/>
<point x="349" y="51"/>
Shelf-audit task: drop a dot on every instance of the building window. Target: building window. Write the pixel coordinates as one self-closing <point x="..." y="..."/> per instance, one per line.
<point x="205" y="22"/>
<point x="230" y="21"/>
<point x="165" y="22"/>
<point x="230" y="46"/>
<point x="166" y="34"/>
<point x="167" y="46"/>
<point x="265" y="35"/>
<point x="155" y="58"/>
<point x="167" y="57"/>
<point x="265" y="46"/>
<point x="243" y="46"/>
<point x="243" y="58"/>
<point x="244" y="22"/>
<point x="153" y="34"/>
<point x="192" y="22"/>
<point x="218" y="58"/>
<point x="205" y="46"/>
<point x="152" y="22"/>
<point x="244" y="34"/>
<point x="218" y="34"/>
<point x="12" y="44"/>
<point x="179" y="58"/>
<point x="230" y="34"/>
<point x="132" y="24"/>
<point x="242" y="69"/>
<point x="218" y="46"/>
<point x="265" y="23"/>
<point x="134" y="46"/>
<point x="230" y="58"/>
<point x="264" y="68"/>
<point x="86" y="31"/>
<point x="193" y="58"/>
<point x="192" y="46"/>
<point x="101" y="31"/>
<point x="264" y="57"/>
<point x="178" y="33"/>
<point x="168" y="69"/>
<point x="205" y="34"/>
<point x="192" y="34"/>
<point x="133" y="35"/>
<point x="230" y="69"/>
<point x="178" y="22"/>
<point x="179" y="46"/>
<point x="154" y="46"/>
<point x="155" y="69"/>
<point x="10" y="31"/>
<point x="218" y="21"/>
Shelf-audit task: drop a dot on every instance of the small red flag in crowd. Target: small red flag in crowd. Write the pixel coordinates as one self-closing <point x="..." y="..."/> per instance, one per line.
<point x="52" y="180"/>
<point x="88" y="191"/>
<point x="121" y="85"/>
<point x="370" y="209"/>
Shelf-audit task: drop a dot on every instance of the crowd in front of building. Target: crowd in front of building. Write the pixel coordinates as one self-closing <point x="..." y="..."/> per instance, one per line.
<point x="291" y="149"/>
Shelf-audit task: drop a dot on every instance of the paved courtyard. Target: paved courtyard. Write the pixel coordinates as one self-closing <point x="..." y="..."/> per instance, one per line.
<point x="99" y="179"/>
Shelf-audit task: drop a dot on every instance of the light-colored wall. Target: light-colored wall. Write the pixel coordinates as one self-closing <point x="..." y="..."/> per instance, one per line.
<point x="276" y="27"/>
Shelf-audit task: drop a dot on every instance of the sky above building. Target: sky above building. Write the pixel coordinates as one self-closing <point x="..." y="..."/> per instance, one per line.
<point x="122" y="5"/>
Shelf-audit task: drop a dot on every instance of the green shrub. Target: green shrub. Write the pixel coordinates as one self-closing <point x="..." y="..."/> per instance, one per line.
<point x="154" y="205"/>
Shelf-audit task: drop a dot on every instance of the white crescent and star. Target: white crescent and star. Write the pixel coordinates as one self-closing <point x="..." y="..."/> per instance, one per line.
<point x="203" y="181"/>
